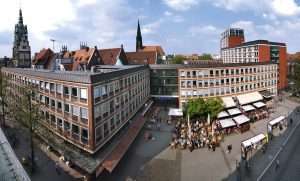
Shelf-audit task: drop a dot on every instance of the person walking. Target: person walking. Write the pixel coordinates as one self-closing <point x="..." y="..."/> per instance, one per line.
<point x="229" y="148"/>
<point x="57" y="167"/>
<point x="291" y="121"/>
<point x="277" y="165"/>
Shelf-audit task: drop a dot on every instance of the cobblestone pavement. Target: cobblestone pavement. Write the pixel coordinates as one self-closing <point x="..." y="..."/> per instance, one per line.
<point x="154" y="160"/>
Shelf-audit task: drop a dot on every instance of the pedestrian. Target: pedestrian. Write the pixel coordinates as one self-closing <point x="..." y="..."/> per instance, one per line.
<point x="158" y="127"/>
<point x="56" y="167"/>
<point x="277" y="165"/>
<point x="263" y="149"/>
<point x="229" y="148"/>
<point x="291" y="121"/>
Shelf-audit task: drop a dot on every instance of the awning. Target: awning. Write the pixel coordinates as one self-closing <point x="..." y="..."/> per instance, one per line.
<point x="241" y="119"/>
<point x="234" y="111"/>
<point x="248" y="108"/>
<point x="259" y="104"/>
<point x="117" y="153"/>
<point x="175" y="112"/>
<point x="249" y="98"/>
<point x="228" y="101"/>
<point x="222" y="114"/>
<point x="225" y="123"/>
<point x="266" y="94"/>
<point x="253" y="140"/>
<point x="277" y="120"/>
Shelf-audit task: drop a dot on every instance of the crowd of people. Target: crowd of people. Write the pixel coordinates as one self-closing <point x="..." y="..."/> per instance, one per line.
<point x="199" y="135"/>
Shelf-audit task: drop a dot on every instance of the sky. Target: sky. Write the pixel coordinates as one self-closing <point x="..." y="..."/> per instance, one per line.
<point x="179" y="26"/>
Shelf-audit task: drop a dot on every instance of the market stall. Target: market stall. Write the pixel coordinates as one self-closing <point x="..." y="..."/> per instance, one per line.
<point x="275" y="123"/>
<point x="243" y="122"/>
<point x="234" y="111"/>
<point x="249" y="98"/>
<point x="227" y="125"/>
<point x="259" y="104"/>
<point x="252" y="143"/>
<point x="247" y="108"/>
<point x="222" y="114"/>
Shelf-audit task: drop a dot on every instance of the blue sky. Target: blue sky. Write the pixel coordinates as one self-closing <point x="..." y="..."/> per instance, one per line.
<point x="179" y="26"/>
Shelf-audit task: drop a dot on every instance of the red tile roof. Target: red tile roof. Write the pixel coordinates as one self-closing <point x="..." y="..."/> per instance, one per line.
<point x="188" y="57"/>
<point x="141" y="58"/>
<point x="44" y="57"/>
<point x="110" y="56"/>
<point x="82" y="56"/>
<point x="154" y="48"/>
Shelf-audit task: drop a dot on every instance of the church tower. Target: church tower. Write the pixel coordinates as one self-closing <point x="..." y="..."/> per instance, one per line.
<point x="21" y="48"/>
<point x="139" y="40"/>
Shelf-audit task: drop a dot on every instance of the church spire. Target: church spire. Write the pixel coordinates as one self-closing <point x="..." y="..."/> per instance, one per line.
<point x="20" y="17"/>
<point x="139" y="40"/>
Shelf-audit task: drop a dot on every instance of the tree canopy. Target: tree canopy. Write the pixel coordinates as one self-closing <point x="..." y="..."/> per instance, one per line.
<point x="205" y="56"/>
<point x="295" y="77"/>
<point x="199" y="109"/>
<point x="177" y="60"/>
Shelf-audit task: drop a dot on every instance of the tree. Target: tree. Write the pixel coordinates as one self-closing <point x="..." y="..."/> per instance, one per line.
<point x="28" y="111"/>
<point x="214" y="106"/>
<point x="177" y="60"/>
<point x="205" y="56"/>
<point x="295" y="77"/>
<point x="199" y="109"/>
<point x="3" y="93"/>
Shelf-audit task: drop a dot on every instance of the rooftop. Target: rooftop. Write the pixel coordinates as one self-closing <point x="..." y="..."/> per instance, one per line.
<point x="187" y="66"/>
<point x="255" y="42"/>
<point x="102" y="73"/>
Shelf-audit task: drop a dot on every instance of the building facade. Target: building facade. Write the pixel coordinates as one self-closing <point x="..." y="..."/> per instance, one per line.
<point x="21" y="53"/>
<point x="83" y="108"/>
<point x="256" y="51"/>
<point x="232" y="37"/>
<point x="225" y="80"/>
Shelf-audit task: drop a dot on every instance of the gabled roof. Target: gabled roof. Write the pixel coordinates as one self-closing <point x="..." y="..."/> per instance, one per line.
<point x="157" y="49"/>
<point x="141" y="58"/>
<point x="44" y="57"/>
<point x="82" y="57"/>
<point x="110" y="56"/>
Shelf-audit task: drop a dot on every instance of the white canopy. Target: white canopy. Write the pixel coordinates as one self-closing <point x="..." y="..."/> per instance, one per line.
<point x="241" y="119"/>
<point x="253" y="140"/>
<point x="249" y="97"/>
<point x="222" y="114"/>
<point x="225" y="123"/>
<point x="175" y="112"/>
<point x="228" y="101"/>
<point x="259" y="104"/>
<point x="277" y="120"/>
<point x="248" y="108"/>
<point x="234" y="111"/>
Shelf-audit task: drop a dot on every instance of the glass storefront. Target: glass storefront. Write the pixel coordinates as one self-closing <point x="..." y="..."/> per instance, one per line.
<point x="164" y="82"/>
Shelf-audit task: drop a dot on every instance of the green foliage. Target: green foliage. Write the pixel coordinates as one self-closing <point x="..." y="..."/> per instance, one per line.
<point x="296" y="76"/>
<point x="199" y="109"/>
<point x="205" y="56"/>
<point x="177" y="60"/>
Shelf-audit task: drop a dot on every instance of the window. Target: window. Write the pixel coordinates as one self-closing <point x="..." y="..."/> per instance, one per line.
<point x="83" y="93"/>
<point x="75" y="129"/>
<point x="59" y="105"/>
<point x="104" y="89"/>
<point x="97" y="93"/>
<point x="52" y="103"/>
<point x="112" y="124"/>
<point x="99" y="134"/>
<point x="97" y="110"/>
<point x="47" y="85"/>
<point x="66" y="90"/>
<point x="67" y="108"/>
<point x="84" y="135"/>
<point x="53" y="119"/>
<point x="74" y="91"/>
<point x="75" y="111"/>
<point x="66" y="125"/>
<point x="106" y="130"/>
<point x="52" y="87"/>
<point x="59" y="122"/>
<point x="59" y="88"/>
<point x="84" y="113"/>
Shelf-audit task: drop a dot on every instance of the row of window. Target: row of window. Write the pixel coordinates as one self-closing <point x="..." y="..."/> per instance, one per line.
<point x="66" y="90"/>
<point x="222" y="72"/>
<point x="216" y="82"/>
<point x="226" y="90"/>
<point x="76" y="132"/>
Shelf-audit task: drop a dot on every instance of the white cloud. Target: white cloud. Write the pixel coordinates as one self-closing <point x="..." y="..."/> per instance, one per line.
<point x="271" y="17"/>
<point x="181" y="5"/>
<point x="204" y="30"/>
<point x="178" y="19"/>
<point x="146" y="31"/>
<point x="278" y="7"/>
<point x="247" y="25"/>
<point x="168" y="13"/>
